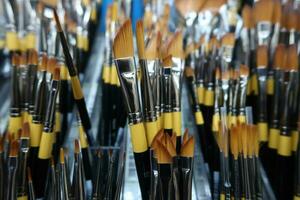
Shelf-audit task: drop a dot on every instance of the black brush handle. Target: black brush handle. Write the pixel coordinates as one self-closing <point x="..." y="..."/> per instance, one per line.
<point x="178" y="144"/>
<point x="237" y="183"/>
<point x="86" y="163"/>
<point x="40" y="182"/>
<point x="142" y="163"/>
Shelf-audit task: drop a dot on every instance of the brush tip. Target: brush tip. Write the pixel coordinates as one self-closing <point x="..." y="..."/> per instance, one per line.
<point x="14" y="149"/>
<point x="56" y="74"/>
<point x="29" y="174"/>
<point x="187" y="149"/>
<point x="189" y="72"/>
<point x="262" y="57"/>
<point x="62" y="156"/>
<point x="140" y="39"/>
<point x="292" y="58"/>
<point x="244" y="70"/>
<point x="33" y="57"/>
<point x="77" y="146"/>
<point x="25" y="131"/>
<point x="175" y="45"/>
<point x="167" y="61"/>
<point x="263" y="11"/>
<point x="228" y="39"/>
<point x="15" y="59"/>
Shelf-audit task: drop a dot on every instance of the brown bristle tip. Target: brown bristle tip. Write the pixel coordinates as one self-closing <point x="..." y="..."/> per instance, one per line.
<point x="123" y="42"/>
<point x="175" y="46"/>
<point x="263" y="10"/>
<point x="52" y="162"/>
<point x="225" y="75"/>
<point x="114" y="11"/>
<point x="152" y="51"/>
<point x="57" y="21"/>
<point x="167" y="61"/>
<point x="262" y="57"/>
<point x="185" y="136"/>
<point x="234" y="74"/>
<point x="234" y="142"/>
<point x="51" y="65"/>
<point x="15" y="59"/>
<point x="244" y="70"/>
<point x="218" y="74"/>
<point x="170" y="146"/>
<point x="163" y="156"/>
<point x="140" y="39"/>
<point x="187" y="150"/>
<point x="279" y="56"/>
<point x="2" y="138"/>
<point x="43" y="65"/>
<point x="25" y="130"/>
<point x="14" y="149"/>
<point x="62" y="156"/>
<point x="33" y="57"/>
<point x="277" y="12"/>
<point x="292" y="58"/>
<point x="292" y="20"/>
<point x="23" y="59"/>
<point x="228" y="39"/>
<point x="56" y="74"/>
<point x="29" y="174"/>
<point x="189" y="49"/>
<point x="246" y="14"/>
<point x="77" y="146"/>
<point x="189" y="72"/>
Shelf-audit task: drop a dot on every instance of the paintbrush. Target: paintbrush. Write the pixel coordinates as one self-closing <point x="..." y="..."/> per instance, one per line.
<point x="284" y="149"/>
<point x="63" y="190"/>
<point x="24" y="147"/>
<point x="78" y="183"/>
<point x="51" y="191"/>
<point x="23" y="81"/>
<point x="12" y="167"/>
<point x="276" y="20"/>
<point x="32" y="74"/>
<point x="11" y="37"/>
<point x="97" y="178"/>
<point x="175" y="49"/>
<point x="124" y="60"/>
<point x="243" y="82"/>
<point x="76" y="87"/>
<point x="297" y="161"/>
<point x="46" y="142"/>
<point x="15" y="121"/>
<point x="236" y="179"/>
<point x="31" y="193"/>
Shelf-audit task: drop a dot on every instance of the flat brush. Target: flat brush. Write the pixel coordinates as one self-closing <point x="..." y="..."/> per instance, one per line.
<point x="15" y="121"/>
<point x="236" y="180"/>
<point x="147" y="69"/>
<point x="11" y="189"/>
<point x="77" y="90"/>
<point x="124" y="60"/>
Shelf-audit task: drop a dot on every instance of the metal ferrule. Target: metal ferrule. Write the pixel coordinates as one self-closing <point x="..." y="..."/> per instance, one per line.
<point x="227" y="53"/>
<point x="9" y="16"/>
<point x="285" y="117"/>
<point x="24" y="145"/>
<point x="292" y="36"/>
<point x="157" y="87"/>
<point x="42" y="37"/>
<point x="235" y="90"/>
<point x="86" y="17"/>
<point x="176" y="73"/>
<point x="264" y="29"/>
<point x="23" y="81"/>
<point x="242" y="93"/>
<point x="51" y="41"/>
<point x="15" y="92"/>
<point x="29" y="17"/>
<point x="147" y="90"/>
<point x="32" y="75"/>
<point x="128" y="80"/>
<point x="245" y="35"/>
<point x="50" y="113"/>
<point x="59" y="54"/>
<point x="225" y="92"/>
<point x="278" y="76"/>
<point x="217" y="96"/>
<point x="262" y="84"/>
<point x="167" y="89"/>
<point x="40" y="98"/>
<point x="275" y="38"/>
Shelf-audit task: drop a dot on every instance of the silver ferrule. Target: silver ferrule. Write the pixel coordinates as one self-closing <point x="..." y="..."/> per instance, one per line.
<point x="9" y="15"/>
<point x="146" y="90"/>
<point x="167" y="89"/>
<point x="264" y="29"/>
<point x="245" y="35"/>
<point x="292" y="36"/>
<point x="243" y="88"/>
<point x="225" y="90"/>
<point x="227" y="53"/>
<point x="275" y="38"/>
<point x="154" y="71"/>
<point x="217" y="96"/>
<point x="128" y="79"/>
<point x="23" y="81"/>
<point x="29" y="17"/>
<point x="86" y="17"/>
<point x="235" y="91"/>
<point x="177" y="73"/>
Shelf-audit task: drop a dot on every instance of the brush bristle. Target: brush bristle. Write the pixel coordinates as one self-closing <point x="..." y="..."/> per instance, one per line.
<point x="33" y="58"/>
<point x="189" y="72"/>
<point x="77" y="146"/>
<point x="277" y="12"/>
<point x="213" y="43"/>
<point x="292" y="20"/>
<point x="234" y="74"/>
<point x="246" y="14"/>
<point x="225" y="75"/>
<point x="262" y="57"/>
<point x="114" y="11"/>
<point x="263" y="11"/>
<point x="185" y="136"/>
<point x="187" y="150"/>
<point x="23" y="59"/>
<point x="170" y="146"/>
<point x="56" y="74"/>
<point x="51" y="65"/>
<point x="292" y="58"/>
<point x="279" y="56"/>
<point x="57" y="21"/>
<point x="234" y="143"/>
<point x="25" y="131"/>
<point x="140" y="39"/>
<point x="175" y="46"/>
<point x="14" y="149"/>
<point x="163" y="156"/>
<point x="218" y="74"/>
<point x="15" y="59"/>
<point x="148" y="19"/>
<point x="244" y="70"/>
<point x="62" y="156"/>
<point x="123" y="42"/>
<point x="189" y="49"/>
<point x="29" y="174"/>
<point x="43" y="64"/>
<point x="151" y="51"/>
<point x="228" y="39"/>
<point x="167" y="61"/>
<point x="250" y="142"/>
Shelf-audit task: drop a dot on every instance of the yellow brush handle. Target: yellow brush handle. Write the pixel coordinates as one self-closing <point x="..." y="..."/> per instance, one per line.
<point x="114" y="79"/>
<point x="270" y="86"/>
<point x="76" y="88"/>
<point x="80" y="41"/>
<point x="82" y="137"/>
<point x="199" y="118"/>
<point x="2" y="44"/>
<point x="22" y="44"/>
<point x="200" y="94"/>
<point x="176" y="123"/>
<point x="296" y="198"/>
<point x="209" y="98"/>
<point x="106" y="74"/>
<point x="273" y="138"/>
<point x="11" y="40"/>
<point x="232" y="120"/>
<point x="35" y="134"/>
<point x="262" y="131"/>
<point x="94" y="15"/>
<point x="167" y="120"/>
<point x="254" y="83"/>
<point x="85" y="43"/>
<point x="22" y="198"/>
<point x="284" y="145"/>
<point x="31" y="41"/>
<point x="57" y="125"/>
<point x="161" y="119"/>
<point x="215" y="122"/>
<point x="295" y="138"/>
<point x="242" y="119"/>
<point x="222" y="196"/>
<point x="46" y="144"/>
<point x="64" y="73"/>
<point x="158" y="123"/>
<point x="138" y="138"/>
<point x="15" y="123"/>
<point x="151" y="129"/>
